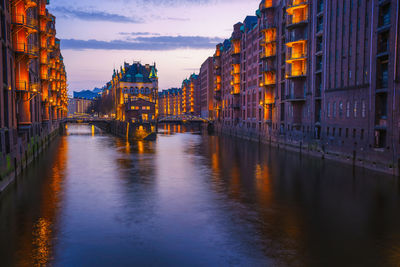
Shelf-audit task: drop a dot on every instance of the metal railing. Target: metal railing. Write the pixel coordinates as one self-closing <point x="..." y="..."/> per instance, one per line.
<point x="25" y="48"/>
<point x="26" y="21"/>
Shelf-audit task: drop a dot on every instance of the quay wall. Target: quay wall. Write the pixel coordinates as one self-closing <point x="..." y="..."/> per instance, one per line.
<point x="24" y="149"/>
<point x="356" y="155"/>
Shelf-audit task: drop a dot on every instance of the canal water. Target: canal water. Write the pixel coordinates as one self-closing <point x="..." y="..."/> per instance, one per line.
<point x="195" y="200"/>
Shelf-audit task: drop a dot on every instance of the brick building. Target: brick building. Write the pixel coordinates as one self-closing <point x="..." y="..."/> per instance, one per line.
<point x="33" y="87"/>
<point x="132" y="83"/>
<point x="314" y="74"/>
<point x="170" y="102"/>
<point x="206" y="96"/>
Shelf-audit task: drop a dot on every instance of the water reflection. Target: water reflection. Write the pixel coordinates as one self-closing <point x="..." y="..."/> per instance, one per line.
<point x="190" y="199"/>
<point x="29" y="231"/>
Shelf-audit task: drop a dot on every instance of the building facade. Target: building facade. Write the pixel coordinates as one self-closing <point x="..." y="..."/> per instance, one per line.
<point x="132" y="84"/>
<point x="206" y="92"/>
<point x="191" y="95"/>
<point x="314" y="75"/>
<point x="33" y="86"/>
<point x="170" y="102"/>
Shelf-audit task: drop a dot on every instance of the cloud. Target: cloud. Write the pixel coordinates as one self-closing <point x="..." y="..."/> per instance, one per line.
<point x="177" y="19"/>
<point x="144" y="43"/>
<point x="95" y="15"/>
<point x="139" y="33"/>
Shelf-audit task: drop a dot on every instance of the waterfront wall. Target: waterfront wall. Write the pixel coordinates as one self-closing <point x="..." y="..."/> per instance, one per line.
<point x="323" y="149"/>
<point x="24" y="149"/>
<point x="130" y="131"/>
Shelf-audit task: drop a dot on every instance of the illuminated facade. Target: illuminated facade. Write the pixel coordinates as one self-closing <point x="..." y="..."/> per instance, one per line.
<point x="33" y="79"/>
<point x="170" y="102"/>
<point x="316" y="73"/>
<point x="206" y="92"/>
<point x="190" y="95"/>
<point x="132" y="84"/>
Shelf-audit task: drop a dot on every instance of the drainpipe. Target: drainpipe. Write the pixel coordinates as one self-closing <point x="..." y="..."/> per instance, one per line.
<point x="370" y="73"/>
<point x="395" y="69"/>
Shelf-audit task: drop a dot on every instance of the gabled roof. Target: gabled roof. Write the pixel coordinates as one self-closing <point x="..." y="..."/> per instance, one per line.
<point x="136" y="73"/>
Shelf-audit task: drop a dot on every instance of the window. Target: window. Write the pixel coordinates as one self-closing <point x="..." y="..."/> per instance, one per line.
<point x="347" y="132"/>
<point x="348" y="109"/>
<point x="355" y="109"/>
<point x="328" y="110"/>
<point x="334" y="110"/>
<point x="340" y="109"/>
<point x="363" y="110"/>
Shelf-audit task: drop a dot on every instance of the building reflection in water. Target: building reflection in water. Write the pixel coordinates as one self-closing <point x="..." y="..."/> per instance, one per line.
<point x="39" y="195"/>
<point x="296" y="203"/>
<point x="215" y="198"/>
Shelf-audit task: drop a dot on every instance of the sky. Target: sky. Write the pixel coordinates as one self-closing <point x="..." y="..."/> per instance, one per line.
<point x="178" y="35"/>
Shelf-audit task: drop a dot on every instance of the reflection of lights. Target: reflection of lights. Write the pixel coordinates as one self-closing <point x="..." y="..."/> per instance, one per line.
<point x="42" y="242"/>
<point x="93" y="130"/>
<point x="140" y="147"/>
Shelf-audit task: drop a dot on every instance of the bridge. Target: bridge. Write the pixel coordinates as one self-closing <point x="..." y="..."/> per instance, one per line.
<point x="183" y="119"/>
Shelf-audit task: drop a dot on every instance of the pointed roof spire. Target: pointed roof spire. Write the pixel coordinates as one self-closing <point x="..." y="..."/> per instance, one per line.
<point x="153" y="73"/>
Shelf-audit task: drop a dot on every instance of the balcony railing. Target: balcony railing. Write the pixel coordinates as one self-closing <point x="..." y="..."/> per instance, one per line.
<point x="28" y="49"/>
<point x="296" y="3"/>
<point x="296" y="56"/>
<point x="25" y="21"/>
<point x="268" y="54"/>
<point x="27" y="87"/>
<point x="267" y="26"/>
<point x="292" y="21"/>
<point x="296" y="74"/>
<point x="267" y="4"/>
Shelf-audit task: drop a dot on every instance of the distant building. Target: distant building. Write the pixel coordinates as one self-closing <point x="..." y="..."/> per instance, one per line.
<point x="170" y="102"/>
<point x="87" y="94"/>
<point x="191" y="95"/>
<point x="77" y="106"/>
<point x="206" y="92"/>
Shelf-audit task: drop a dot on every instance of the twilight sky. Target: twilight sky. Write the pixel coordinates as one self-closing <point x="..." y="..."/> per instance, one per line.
<point x="176" y="34"/>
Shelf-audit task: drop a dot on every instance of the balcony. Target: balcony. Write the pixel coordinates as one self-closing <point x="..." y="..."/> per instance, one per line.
<point x="24" y="21"/>
<point x="268" y="54"/>
<point x="236" y="58"/>
<point x="30" y="3"/>
<point x="296" y="38"/>
<point x="295" y="4"/>
<point x="27" y="87"/>
<point x="44" y="77"/>
<point x="267" y="5"/>
<point x="293" y="21"/>
<point x="27" y="49"/>
<point x="267" y="26"/>
<point x="296" y="57"/>
<point x="296" y="74"/>
<point x="217" y="95"/>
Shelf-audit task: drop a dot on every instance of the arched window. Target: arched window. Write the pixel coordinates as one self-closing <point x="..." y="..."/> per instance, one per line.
<point x="136" y="90"/>
<point x="355" y="109"/>
<point x="334" y="110"/>
<point x="363" y="109"/>
<point x="328" y="110"/>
